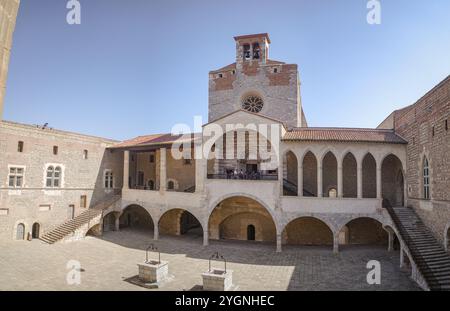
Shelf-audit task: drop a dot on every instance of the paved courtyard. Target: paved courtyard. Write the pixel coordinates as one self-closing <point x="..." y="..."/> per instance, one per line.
<point x="108" y="261"/>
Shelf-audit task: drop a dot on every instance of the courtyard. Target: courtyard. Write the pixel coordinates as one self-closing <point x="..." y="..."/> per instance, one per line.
<point x="107" y="263"/>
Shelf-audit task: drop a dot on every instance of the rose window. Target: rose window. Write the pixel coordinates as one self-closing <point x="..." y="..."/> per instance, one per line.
<point x="253" y="104"/>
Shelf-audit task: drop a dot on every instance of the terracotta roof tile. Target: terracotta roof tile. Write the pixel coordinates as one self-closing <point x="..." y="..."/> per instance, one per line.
<point x="149" y="140"/>
<point x="344" y="135"/>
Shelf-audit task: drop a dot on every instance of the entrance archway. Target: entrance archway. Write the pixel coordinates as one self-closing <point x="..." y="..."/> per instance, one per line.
<point x="241" y="218"/>
<point x="35" y="230"/>
<point x="179" y="222"/>
<point x="136" y="217"/>
<point x="308" y="231"/>
<point x="363" y="231"/>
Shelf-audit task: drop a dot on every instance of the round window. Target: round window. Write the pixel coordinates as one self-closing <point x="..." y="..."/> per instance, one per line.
<point x="253" y="104"/>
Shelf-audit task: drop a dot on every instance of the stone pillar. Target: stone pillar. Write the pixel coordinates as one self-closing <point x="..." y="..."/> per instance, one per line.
<point x="340" y="182"/>
<point x="162" y="169"/>
<point x="336" y="243"/>
<point x="359" y="180"/>
<point x="200" y="174"/>
<point x="319" y="181"/>
<point x="279" y="243"/>
<point x="300" y="181"/>
<point x="156" y="230"/>
<point x="126" y="169"/>
<point x="379" y="187"/>
<point x="117" y="222"/>
<point x="205" y="236"/>
<point x="390" y="241"/>
<point x="402" y="256"/>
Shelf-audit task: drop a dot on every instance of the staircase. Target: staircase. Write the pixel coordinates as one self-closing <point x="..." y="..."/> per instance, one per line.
<point x="290" y="189"/>
<point x="432" y="261"/>
<point x="85" y="220"/>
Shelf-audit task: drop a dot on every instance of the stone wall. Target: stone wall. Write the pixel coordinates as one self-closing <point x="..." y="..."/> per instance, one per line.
<point x="423" y="125"/>
<point x="34" y="202"/>
<point x="8" y="14"/>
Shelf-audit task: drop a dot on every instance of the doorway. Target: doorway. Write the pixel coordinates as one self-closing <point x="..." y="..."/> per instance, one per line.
<point x="251" y="233"/>
<point x="35" y="231"/>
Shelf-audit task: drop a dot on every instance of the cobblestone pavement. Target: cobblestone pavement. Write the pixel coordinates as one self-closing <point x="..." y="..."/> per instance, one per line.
<point x="106" y="262"/>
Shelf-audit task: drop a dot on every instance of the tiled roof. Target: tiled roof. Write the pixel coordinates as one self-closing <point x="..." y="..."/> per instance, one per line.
<point x="151" y="140"/>
<point x="344" y="135"/>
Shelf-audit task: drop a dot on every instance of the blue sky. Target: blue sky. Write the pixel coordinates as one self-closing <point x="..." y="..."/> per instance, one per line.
<point x="138" y="67"/>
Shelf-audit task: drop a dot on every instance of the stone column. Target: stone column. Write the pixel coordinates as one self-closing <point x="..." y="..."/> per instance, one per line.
<point x="200" y="174"/>
<point x="340" y="182"/>
<point x="126" y="169"/>
<point x="359" y="180"/>
<point x="379" y="188"/>
<point x="336" y="243"/>
<point x="300" y="181"/>
<point x="390" y="241"/>
<point x="402" y="256"/>
<point x="279" y="243"/>
<point x="162" y="169"/>
<point x="117" y="222"/>
<point x="205" y="236"/>
<point x="319" y="181"/>
<point x="156" y="230"/>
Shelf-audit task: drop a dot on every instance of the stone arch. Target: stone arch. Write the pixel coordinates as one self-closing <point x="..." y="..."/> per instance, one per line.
<point x="392" y="180"/>
<point x="109" y="221"/>
<point x="393" y="233"/>
<point x="329" y="173"/>
<point x="308" y="230"/>
<point x="178" y="221"/>
<point x="310" y="165"/>
<point x="290" y="173"/>
<point x="230" y="217"/>
<point x="364" y="230"/>
<point x="136" y="216"/>
<point x="369" y="176"/>
<point x="349" y="175"/>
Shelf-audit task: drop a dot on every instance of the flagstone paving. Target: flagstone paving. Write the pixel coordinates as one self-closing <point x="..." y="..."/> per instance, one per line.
<point x="108" y="261"/>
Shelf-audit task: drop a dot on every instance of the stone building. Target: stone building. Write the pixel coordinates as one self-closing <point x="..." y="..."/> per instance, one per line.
<point x="256" y="172"/>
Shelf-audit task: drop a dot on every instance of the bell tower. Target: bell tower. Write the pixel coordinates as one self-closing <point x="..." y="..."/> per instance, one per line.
<point x="252" y="48"/>
<point x="8" y="15"/>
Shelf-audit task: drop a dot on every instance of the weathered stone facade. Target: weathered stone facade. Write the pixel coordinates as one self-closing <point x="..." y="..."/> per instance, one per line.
<point x="82" y="175"/>
<point x="8" y="13"/>
<point x="425" y="125"/>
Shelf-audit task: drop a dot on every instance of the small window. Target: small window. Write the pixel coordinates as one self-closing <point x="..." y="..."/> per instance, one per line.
<point x="414" y="140"/>
<point x="275" y="70"/>
<point x="109" y="180"/>
<point x="187" y="161"/>
<point x="20" y="146"/>
<point x="220" y="75"/>
<point x="233" y="72"/>
<point x="426" y="179"/>
<point x="151" y="185"/>
<point x="83" y="201"/>
<point x="446" y="125"/>
<point x="15" y="178"/>
<point x="152" y="158"/>
<point x="141" y="179"/>
<point x="332" y="193"/>
<point x="55" y="150"/>
<point x="432" y="131"/>
<point x="85" y="154"/>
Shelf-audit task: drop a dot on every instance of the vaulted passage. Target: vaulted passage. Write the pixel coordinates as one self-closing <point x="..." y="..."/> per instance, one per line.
<point x="307" y="231"/>
<point x="363" y="231"/>
<point x="310" y="175"/>
<point x="179" y="222"/>
<point x="392" y="181"/>
<point x="241" y="218"/>
<point x="136" y="217"/>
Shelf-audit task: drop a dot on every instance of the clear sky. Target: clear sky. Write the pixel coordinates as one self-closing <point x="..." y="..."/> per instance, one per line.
<point x="136" y="67"/>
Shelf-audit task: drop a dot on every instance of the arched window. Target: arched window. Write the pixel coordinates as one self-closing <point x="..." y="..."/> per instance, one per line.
<point x="170" y="185"/>
<point x="426" y="179"/>
<point x="53" y="179"/>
